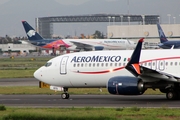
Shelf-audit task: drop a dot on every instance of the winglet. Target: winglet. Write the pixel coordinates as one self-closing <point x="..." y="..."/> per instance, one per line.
<point x="133" y="64"/>
<point x="136" y="54"/>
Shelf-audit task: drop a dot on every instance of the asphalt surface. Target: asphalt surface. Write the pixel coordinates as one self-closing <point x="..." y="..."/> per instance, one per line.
<point x="79" y="100"/>
<point x="150" y="101"/>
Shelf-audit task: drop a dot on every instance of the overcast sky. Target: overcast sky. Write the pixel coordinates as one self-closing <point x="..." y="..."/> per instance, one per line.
<point x="12" y="12"/>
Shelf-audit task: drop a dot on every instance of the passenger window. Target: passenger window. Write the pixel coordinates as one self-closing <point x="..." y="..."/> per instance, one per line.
<point x="89" y="64"/>
<point x="124" y="64"/>
<point x="149" y="63"/>
<point x="145" y="64"/>
<point x="166" y="63"/>
<point x="119" y="64"/>
<point x="78" y="65"/>
<point x="82" y="64"/>
<point x="97" y="64"/>
<point x="171" y="63"/>
<point x="74" y="65"/>
<point x="115" y="64"/>
<point x="93" y="64"/>
<point x="175" y="63"/>
<point x="110" y="64"/>
<point x="106" y="64"/>
<point x="102" y="64"/>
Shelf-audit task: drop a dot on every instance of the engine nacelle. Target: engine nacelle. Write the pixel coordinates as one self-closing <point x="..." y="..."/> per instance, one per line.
<point x="98" y="48"/>
<point x="125" y="85"/>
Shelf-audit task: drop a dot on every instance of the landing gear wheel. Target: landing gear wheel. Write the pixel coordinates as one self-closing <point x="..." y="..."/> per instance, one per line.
<point x="171" y="95"/>
<point x="65" y="95"/>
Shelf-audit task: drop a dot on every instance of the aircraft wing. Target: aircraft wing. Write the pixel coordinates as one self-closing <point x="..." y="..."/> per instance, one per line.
<point x="156" y="75"/>
<point x="88" y="46"/>
<point x="81" y="45"/>
<point x="145" y="73"/>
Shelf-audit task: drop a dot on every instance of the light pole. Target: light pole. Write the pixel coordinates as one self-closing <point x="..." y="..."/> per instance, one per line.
<point x="113" y="20"/>
<point x="143" y="18"/>
<point x="159" y="19"/>
<point x="169" y="15"/>
<point x="121" y="19"/>
<point x="109" y="19"/>
<point x="129" y="19"/>
<point x="174" y="20"/>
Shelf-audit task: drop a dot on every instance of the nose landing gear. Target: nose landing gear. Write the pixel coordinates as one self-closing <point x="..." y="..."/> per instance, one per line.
<point x="65" y="95"/>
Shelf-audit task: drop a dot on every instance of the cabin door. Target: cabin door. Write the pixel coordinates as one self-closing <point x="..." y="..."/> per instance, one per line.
<point x="63" y="65"/>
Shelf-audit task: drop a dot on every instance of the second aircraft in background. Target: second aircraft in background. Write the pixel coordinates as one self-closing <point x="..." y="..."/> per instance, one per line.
<point x="165" y="43"/>
<point x="77" y="44"/>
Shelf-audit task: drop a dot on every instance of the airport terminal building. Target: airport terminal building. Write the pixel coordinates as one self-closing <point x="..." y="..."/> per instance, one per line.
<point x="150" y="32"/>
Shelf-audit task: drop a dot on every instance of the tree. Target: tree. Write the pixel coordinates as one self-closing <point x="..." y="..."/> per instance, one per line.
<point x="98" y="35"/>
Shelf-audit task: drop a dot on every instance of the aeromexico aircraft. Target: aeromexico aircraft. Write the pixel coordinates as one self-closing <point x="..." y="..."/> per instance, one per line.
<point x="122" y="72"/>
<point x="77" y="44"/>
<point x="165" y="43"/>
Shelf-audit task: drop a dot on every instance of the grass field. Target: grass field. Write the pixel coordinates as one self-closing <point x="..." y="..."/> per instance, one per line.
<point x="89" y="113"/>
<point x="20" y="67"/>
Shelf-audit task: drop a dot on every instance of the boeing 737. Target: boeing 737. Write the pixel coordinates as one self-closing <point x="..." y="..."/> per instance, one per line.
<point x="118" y="71"/>
<point x="77" y="44"/>
<point x="165" y="43"/>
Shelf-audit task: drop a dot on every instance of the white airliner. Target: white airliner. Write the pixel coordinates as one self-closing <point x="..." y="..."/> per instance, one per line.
<point x="98" y="44"/>
<point x="114" y="70"/>
<point x="76" y="44"/>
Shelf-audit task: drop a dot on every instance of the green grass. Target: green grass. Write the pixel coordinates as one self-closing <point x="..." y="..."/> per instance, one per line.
<point x="20" y="67"/>
<point x="23" y="62"/>
<point x="23" y="73"/>
<point x="89" y="113"/>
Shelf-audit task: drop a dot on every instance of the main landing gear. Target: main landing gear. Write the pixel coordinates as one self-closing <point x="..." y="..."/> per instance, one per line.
<point x="173" y="94"/>
<point x="65" y="95"/>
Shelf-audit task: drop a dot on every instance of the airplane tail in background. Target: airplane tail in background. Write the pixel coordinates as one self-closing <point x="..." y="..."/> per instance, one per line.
<point x="31" y="33"/>
<point x="161" y="34"/>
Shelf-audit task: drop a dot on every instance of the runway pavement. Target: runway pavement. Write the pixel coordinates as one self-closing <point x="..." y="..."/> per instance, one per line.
<point x="79" y="100"/>
<point x="87" y="101"/>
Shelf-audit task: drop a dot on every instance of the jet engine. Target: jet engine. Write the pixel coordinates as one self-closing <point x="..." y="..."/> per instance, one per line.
<point x="98" y="48"/>
<point x="125" y="85"/>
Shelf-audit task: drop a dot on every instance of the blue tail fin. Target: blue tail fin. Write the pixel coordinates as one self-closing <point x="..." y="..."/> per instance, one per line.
<point x="31" y="33"/>
<point x="133" y="64"/>
<point x="161" y="34"/>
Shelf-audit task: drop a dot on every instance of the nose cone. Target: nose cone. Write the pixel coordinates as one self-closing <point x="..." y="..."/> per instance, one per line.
<point x="37" y="74"/>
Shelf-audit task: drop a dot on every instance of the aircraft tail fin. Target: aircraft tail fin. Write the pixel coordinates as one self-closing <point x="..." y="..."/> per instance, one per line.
<point x="161" y="34"/>
<point x="31" y="33"/>
<point x="133" y="64"/>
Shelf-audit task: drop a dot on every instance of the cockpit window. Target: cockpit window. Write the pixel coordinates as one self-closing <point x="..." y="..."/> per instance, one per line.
<point x="48" y="64"/>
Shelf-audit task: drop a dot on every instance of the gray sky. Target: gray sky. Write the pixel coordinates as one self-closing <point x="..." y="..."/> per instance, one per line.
<point x="12" y="12"/>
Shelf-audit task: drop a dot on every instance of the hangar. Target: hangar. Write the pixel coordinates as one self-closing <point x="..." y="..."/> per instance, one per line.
<point x="44" y="25"/>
